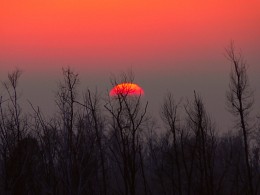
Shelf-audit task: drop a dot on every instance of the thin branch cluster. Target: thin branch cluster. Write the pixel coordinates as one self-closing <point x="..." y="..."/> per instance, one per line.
<point x="111" y="145"/>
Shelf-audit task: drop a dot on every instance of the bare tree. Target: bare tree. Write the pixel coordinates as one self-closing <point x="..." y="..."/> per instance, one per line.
<point x="66" y="97"/>
<point x="203" y="130"/>
<point x="48" y="138"/>
<point x="127" y="116"/>
<point x="240" y="101"/>
<point x="76" y="146"/>
<point x="81" y="139"/>
<point x="96" y="120"/>
<point x="171" y="119"/>
<point x="13" y="124"/>
<point x="67" y="101"/>
<point x="12" y="105"/>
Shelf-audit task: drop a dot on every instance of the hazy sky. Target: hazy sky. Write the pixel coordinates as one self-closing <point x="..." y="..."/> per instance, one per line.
<point x="171" y="45"/>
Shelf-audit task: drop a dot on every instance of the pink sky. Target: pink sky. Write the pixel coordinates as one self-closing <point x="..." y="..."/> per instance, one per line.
<point x="110" y="34"/>
<point x="171" y="45"/>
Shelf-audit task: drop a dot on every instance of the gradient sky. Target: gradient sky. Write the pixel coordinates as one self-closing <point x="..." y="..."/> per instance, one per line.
<point x="171" y="45"/>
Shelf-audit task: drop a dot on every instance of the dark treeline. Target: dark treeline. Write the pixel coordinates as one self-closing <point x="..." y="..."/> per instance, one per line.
<point x="110" y="145"/>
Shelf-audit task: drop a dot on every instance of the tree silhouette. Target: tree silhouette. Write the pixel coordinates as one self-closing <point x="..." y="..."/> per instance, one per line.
<point x="13" y="124"/>
<point x="102" y="145"/>
<point x="127" y="117"/>
<point x="204" y="146"/>
<point x="240" y="102"/>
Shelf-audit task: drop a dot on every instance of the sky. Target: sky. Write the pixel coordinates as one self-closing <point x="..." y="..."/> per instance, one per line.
<point x="171" y="45"/>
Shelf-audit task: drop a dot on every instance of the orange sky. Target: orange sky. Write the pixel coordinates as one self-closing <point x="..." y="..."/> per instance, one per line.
<point x="38" y="34"/>
<point x="175" y="45"/>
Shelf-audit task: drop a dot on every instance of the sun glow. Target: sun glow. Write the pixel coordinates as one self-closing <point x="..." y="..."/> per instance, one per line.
<point x="130" y="89"/>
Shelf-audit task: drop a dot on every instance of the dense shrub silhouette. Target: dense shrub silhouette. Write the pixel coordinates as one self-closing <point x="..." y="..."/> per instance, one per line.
<point x="24" y="167"/>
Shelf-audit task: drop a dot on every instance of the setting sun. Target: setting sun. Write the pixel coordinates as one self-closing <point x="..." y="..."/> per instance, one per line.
<point x="127" y="89"/>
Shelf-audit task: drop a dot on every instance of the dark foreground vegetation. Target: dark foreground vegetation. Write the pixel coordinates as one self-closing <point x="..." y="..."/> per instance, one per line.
<point x="96" y="145"/>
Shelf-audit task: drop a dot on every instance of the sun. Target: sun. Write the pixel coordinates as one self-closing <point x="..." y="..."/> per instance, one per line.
<point x="130" y="89"/>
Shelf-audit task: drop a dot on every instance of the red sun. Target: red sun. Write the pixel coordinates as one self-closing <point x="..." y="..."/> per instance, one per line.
<point x="130" y="89"/>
